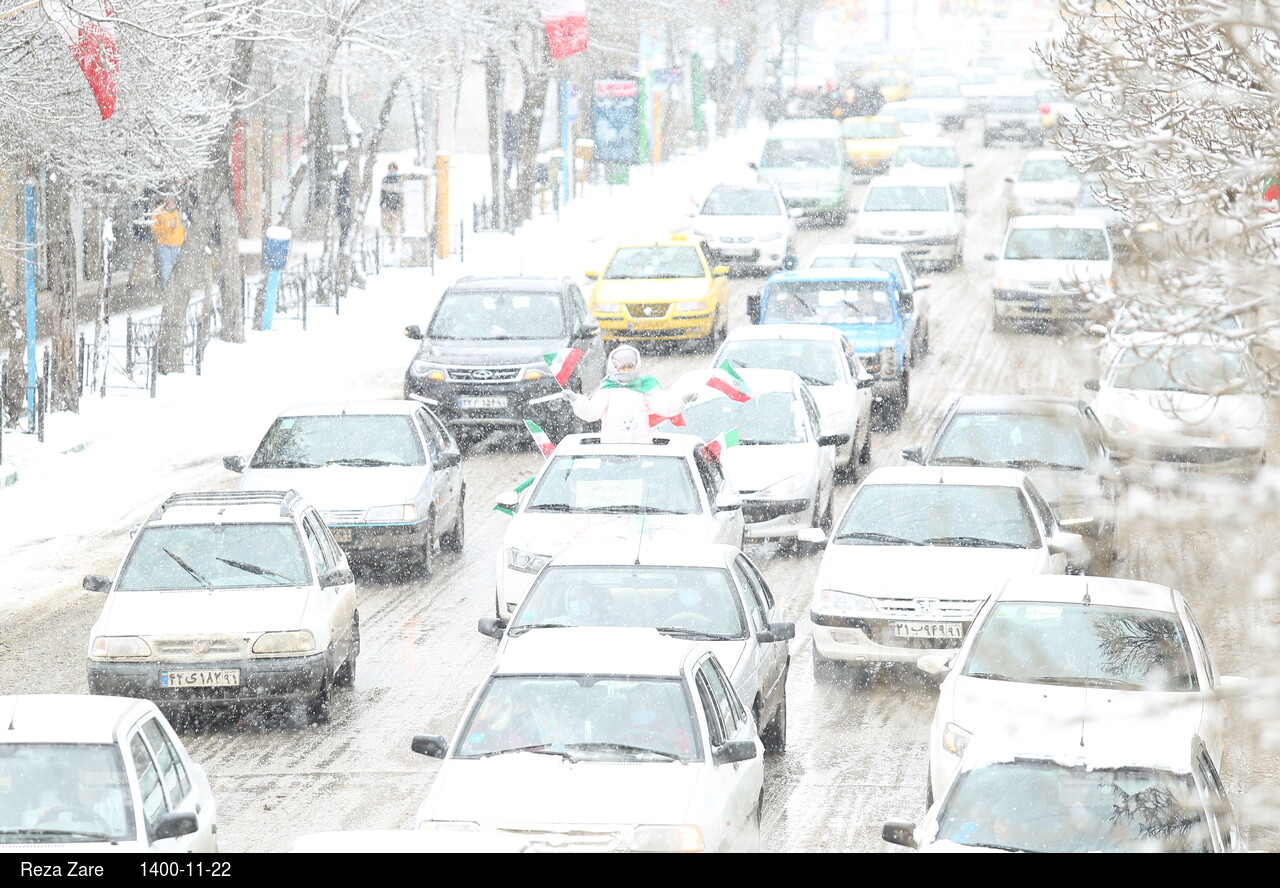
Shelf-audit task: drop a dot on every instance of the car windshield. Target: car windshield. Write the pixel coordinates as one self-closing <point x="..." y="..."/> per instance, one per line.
<point x="638" y="263"/>
<point x="1019" y="440"/>
<point x="741" y="202"/>
<point x="64" y="792"/>
<point x="828" y="302"/>
<point x="694" y="600"/>
<point x="870" y="129"/>
<point x="1048" y="170"/>
<point x="1057" y="242"/>
<point x="619" y="483"/>
<point x="602" y="718"/>
<point x="1081" y="645"/>
<point x="766" y="418"/>
<point x="1041" y="806"/>
<point x="906" y="199"/>
<point x="801" y="152"/>
<point x="497" y="314"/>
<point x="874" y="263"/>
<point x="939" y="157"/>
<point x="817" y="363"/>
<point x="217" y="556"/>
<point x="938" y="515"/>
<point x="909" y="115"/>
<point x="1201" y="369"/>
<point x="1014" y="105"/>
<point x="1176" y="318"/>
<point x="349" y="439"/>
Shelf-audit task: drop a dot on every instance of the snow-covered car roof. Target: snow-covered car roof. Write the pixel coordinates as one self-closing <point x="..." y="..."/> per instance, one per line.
<point x="1051" y="221"/>
<point x="590" y="445"/>
<point x="360" y="408"/>
<point x="596" y="650"/>
<point x="926" y="142"/>
<point x="67" y="718"/>
<point x="1102" y="592"/>
<point x="1093" y="745"/>
<point x="644" y="552"/>
<point x="1035" y="404"/>
<point x="968" y="475"/>
<point x="1045" y="154"/>
<point x="226" y="507"/>
<point x="806" y="332"/>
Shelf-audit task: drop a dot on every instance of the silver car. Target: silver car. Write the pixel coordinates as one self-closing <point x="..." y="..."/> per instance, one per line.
<point x="746" y="226"/>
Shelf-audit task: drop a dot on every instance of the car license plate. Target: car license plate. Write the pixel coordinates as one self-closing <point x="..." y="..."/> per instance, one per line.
<point x="928" y="630"/>
<point x="486" y="402"/>
<point x="342" y="534"/>
<point x="200" y="678"/>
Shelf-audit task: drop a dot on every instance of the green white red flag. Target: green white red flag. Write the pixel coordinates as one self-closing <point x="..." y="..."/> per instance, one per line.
<point x="657" y="420"/>
<point x="725" y="379"/>
<point x="540" y="437"/>
<point x="728" y="439"/>
<point x="92" y="42"/>
<point x="519" y="488"/>
<point x="563" y="363"/>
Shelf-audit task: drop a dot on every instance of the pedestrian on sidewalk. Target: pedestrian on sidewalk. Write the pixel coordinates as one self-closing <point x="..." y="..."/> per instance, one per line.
<point x="170" y="234"/>
<point x="391" y="202"/>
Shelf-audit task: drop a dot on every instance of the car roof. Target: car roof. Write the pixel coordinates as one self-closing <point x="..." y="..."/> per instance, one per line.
<point x="898" y="176"/>
<point x="1102" y="592"/>
<point x="644" y="552"/>
<point x="1101" y="743"/>
<point x="1051" y="221"/>
<point x="875" y="118"/>
<point x="1046" y="154"/>
<point x="966" y="475"/>
<point x="509" y="282"/>
<point x="800" y="275"/>
<point x="804" y="126"/>
<point x="927" y="142"/>
<point x="891" y="250"/>
<point x="68" y="718"/>
<point x="354" y="408"/>
<point x="1035" y="404"/>
<point x="596" y="650"/>
<point x="666" y="444"/>
<point x="807" y="332"/>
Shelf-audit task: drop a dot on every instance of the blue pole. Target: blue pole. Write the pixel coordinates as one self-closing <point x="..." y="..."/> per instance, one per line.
<point x="269" y="303"/>
<point x="566" y="185"/>
<point x="30" y="209"/>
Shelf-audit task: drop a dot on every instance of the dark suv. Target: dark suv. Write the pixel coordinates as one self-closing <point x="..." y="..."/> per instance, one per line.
<point x="1013" y="118"/>
<point x="480" y="365"/>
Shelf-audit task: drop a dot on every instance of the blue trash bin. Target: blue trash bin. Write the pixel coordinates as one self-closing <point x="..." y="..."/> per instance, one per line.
<point x="275" y="248"/>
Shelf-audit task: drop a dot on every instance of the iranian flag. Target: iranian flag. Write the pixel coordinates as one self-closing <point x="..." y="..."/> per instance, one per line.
<point x="657" y="420"/>
<point x="540" y="437"/>
<point x="728" y="439"/>
<point x="93" y="43"/>
<point x="563" y="363"/>
<point x="519" y="488"/>
<point x="725" y="379"/>
<point x="566" y="24"/>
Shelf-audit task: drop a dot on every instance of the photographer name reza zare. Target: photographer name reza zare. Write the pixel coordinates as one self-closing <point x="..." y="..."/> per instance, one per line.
<point x="69" y="870"/>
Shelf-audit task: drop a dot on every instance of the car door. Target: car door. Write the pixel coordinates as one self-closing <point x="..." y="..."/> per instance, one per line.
<point x="336" y="604"/>
<point x="862" y="397"/>
<point x="183" y="790"/>
<point x="1051" y="563"/>
<point x="826" y="455"/>
<point x="1220" y="815"/>
<point x="727" y="524"/>
<point x="1213" y="718"/>
<point x="739" y="784"/>
<point x="770" y="660"/>
<point x="446" y="469"/>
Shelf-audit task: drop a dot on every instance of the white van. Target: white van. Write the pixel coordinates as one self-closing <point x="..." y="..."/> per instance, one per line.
<point x="1046" y="266"/>
<point x="806" y="159"/>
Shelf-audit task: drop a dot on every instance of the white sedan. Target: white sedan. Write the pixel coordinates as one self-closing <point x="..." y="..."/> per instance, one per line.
<point x="918" y="551"/>
<point x="826" y="362"/>
<point x="1078" y="649"/>
<point x="622" y="741"/>
<point x="746" y="226"/>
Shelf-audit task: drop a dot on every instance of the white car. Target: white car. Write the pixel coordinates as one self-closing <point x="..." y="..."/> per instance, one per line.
<point x="1045" y="266"/>
<point x="386" y="476"/>
<point x="620" y="741"/>
<point x="937" y="157"/>
<point x="746" y="226"/>
<point x="82" y="775"/>
<point x="826" y="362"/>
<point x="1077" y="649"/>
<point x="896" y="261"/>
<point x="1105" y="787"/>
<point x="916" y="118"/>
<point x="224" y="598"/>
<point x="670" y="489"/>
<point x="1194" y="401"/>
<point x="784" y="463"/>
<point x="1044" y="183"/>
<point x="701" y="592"/>
<point x="977" y="86"/>
<point x="920" y="214"/>
<point x="942" y="96"/>
<point x="916" y="553"/>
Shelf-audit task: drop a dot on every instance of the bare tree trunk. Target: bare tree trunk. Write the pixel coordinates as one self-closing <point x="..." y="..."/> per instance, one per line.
<point x="493" y="108"/>
<point x="64" y="394"/>
<point x="727" y="109"/>
<point x="12" y="316"/>
<point x="173" y="309"/>
<point x="362" y="187"/>
<point x="537" y="76"/>
<point x="319" y="146"/>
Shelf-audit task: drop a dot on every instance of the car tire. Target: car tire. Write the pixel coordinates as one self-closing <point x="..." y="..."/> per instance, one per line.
<point x="319" y="709"/>
<point x="345" y="677"/>
<point x="864" y="456"/>
<point x="774" y="734"/>
<point x="456" y="538"/>
<point x="848" y="473"/>
<point x="427" y="553"/>
<point x="824" y="668"/>
<point x="896" y="407"/>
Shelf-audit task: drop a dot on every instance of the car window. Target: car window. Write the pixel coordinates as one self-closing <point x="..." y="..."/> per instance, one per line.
<point x="1017" y="440"/>
<point x="735" y="704"/>
<point x="811" y="411"/>
<point x="711" y="473"/>
<point x="65" y="786"/>
<point x="1210" y="671"/>
<point x="760" y="585"/>
<point x="1079" y="244"/>
<point x="1205" y="369"/>
<point x="1216" y="804"/>
<point x="438" y="431"/>
<point x="766" y="418"/>
<point x="1048" y="520"/>
<point x="715" y="726"/>
<point x="740" y="202"/>
<point x="204" y="556"/>
<point x="907" y="199"/>
<point x="854" y="128"/>
<point x="938" y="515"/>
<point x="353" y="439"/>
<point x="730" y="718"/>
<point x="616" y="483"/>
<point x="1048" y="171"/>
<point x="154" y="804"/>
<point x="816" y="362"/>
<point x="498" y="314"/>
<point x="752" y="586"/>
<point x="828" y="302"/>
<point x="173" y="774"/>
<point x="802" y="152"/>
<point x="315" y="548"/>
<point x="581" y="314"/>
<point x="428" y="435"/>
<point x="330" y="552"/>
<point x="637" y="263"/>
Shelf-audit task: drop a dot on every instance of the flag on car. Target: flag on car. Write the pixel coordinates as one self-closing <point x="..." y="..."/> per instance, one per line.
<point x="563" y="363"/>
<point x="540" y="437"/>
<point x="656" y="419"/>
<point x="725" y="379"/>
<point x="728" y="439"/>
<point x="519" y="488"/>
<point x="566" y="25"/>
<point x="92" y="42"/>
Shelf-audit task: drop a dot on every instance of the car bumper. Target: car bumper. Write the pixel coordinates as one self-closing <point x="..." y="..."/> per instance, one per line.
<point x="1193" y="457"/>
<point x="933" y="250"/>
<point x="1023" y="305"/>
<point x="1014" y="132"/>
<point x="812" y="202"/>
<point x="697" y="326"/>
<point x="774" y="519"/>
<point x="368" y="538"/>
<point x="522" y="401"/>
<point x="262" y="680"/>
<point x="870" y="640"/>
<point x="760" y="257"/>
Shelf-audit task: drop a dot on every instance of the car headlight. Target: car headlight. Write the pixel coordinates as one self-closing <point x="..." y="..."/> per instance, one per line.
<point x="693" y="305"/>
<point x="449" y="826"/>
<point x="119" y="647"/>
<point x="1011" y="284"/>
<point x="705" y="234"/>
<point x="300" y="642"/>
<point x="955" y="739"/>
<point x="788" y="486"/>
<point x="526" y="562"/>
<point x="888" y="362"/>
<point x="406" y="512"/>
<point x="607" y="307"/>
<point x="771" y="236"/>
<point x="427" y="370"/>
<point x="846" y="602"/>
<point x="685" y="837"/>
<point x="534" y="373"/>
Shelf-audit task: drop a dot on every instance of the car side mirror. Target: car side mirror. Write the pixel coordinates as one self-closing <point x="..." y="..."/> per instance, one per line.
<point x="727" y="502"/>
<point x="508" y="499"/>
<point x="493" y="627"/>
<point x="934" y="664"/>
<point x="1009" y="179"/>
<point x="815" y="535"/>
<point x="430" y="744"/>
<point x="720" y="270"/>
<point x="589" y="328"/>
<point x="866" y="381"/>
<point x="795" y="212"/>
<point x="96" y="583"/>
<point x="913" y="454"/>
<point x="338" y="576"/>
<point x="776" y="632"/>
<point x="734" y="751"/>
<point x="906" y="302"/>
<point x="1064" y="543"/>
<point x="591" y="275"/>
<point x="968" y="165"/>
<point x="1116" y="458"/>
<point x="833" y="440"/>
<point x="751" y="164"/>
<point x="1093" y="385"/>
<point x="991" y="257"/>
<point x="755" y="302"/>
<point x="233" y="463"/>
<point x="174" y="824"/>
<point x="448" y="459"/>
<point x="1231" y="686"/>
<point x="899" y="832"/>
<point x="923" y="284"/>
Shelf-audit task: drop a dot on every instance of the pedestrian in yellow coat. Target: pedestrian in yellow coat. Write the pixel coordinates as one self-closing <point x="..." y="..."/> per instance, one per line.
<point x="170" y="235"/>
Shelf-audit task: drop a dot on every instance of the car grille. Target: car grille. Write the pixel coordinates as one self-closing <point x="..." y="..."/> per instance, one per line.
<point x="576" y="840"/>
<point x="199" y="646"/>
<point x="343" y="516"/>
<point x="483" y="374"/>
<point x="917" y="609"/>
<point x="735" y="240"/>
<point x="648" y="309"/>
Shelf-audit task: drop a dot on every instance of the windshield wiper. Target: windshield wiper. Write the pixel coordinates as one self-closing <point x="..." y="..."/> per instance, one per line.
<point x="680" y="632"/>
<point x="42" y="831"/>
<point x="255" y="569"/>
<point x="990" y="676"/>
<point x="551" y="507"/>
<point x="996" y="847"/>
<point x="536" y="749"/>
<point x="525" y="627"/>
<point x="1080" y="681"/>
<point x="977" y="542"/>
<point x="760" y="441"/>
<point x="634" y="510"/>
<point x="1039" y="464"/>
<point x="363" y="461"/>
<point x="625" y="747"/>
<point x="812" y="380"/>
<point x="187" y="567"/>
<point x="285" y="464"/>
<point x="955" y="461"/>
<point x="877" y="538"/>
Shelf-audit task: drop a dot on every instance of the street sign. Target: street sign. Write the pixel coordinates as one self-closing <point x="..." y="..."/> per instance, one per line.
<point x="615" y="106"/>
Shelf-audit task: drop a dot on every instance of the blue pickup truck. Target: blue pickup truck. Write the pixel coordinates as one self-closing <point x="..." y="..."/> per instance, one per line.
<point x="866" y="306"/>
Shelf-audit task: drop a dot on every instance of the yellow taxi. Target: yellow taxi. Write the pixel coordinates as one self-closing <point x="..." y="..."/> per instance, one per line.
<point x="665" y="289"/>
<point x="894" y="86"/>
<point x="871" y="142"/>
